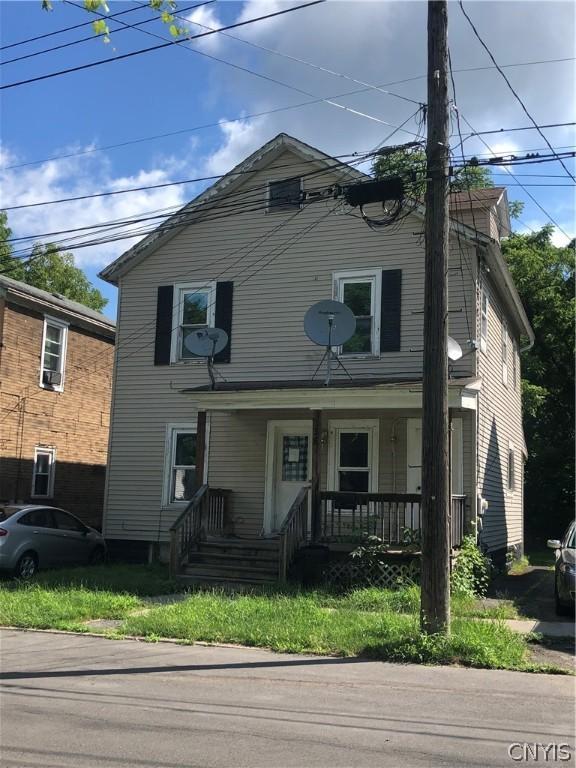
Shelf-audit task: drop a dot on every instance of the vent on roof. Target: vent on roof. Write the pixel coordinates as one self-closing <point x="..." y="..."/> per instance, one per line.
<point x="284" y="195"/>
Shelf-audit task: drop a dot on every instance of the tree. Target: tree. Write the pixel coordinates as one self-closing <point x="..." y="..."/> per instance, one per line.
<point x="544" y="276"/>
<point x="411" y="165"/>
<point x="48" y="269"/>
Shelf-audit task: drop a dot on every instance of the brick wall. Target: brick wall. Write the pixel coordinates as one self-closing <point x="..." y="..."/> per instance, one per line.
<point x="74" y="422"/>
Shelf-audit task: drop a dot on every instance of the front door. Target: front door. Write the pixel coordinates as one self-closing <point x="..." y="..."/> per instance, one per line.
<point x="288" y="468"/>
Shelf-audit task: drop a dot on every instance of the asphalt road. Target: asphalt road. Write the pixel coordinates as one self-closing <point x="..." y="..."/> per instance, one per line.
<point x="82" y="701"/>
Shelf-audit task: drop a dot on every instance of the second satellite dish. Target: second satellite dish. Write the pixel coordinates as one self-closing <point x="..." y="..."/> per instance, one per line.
<point x="206" y="342"/>
<point x="454" y="349"/>
<point x="329" y="323"/>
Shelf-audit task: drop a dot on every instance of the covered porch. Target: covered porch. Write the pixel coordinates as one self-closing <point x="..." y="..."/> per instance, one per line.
<point x="307" y="464"/>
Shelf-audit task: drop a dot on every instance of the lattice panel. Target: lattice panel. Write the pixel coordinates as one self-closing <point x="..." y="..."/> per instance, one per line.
<point x="386" y="575"/>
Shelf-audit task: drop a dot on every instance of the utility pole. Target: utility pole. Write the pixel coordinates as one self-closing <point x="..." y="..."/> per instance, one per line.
<point x="435" y="601"/>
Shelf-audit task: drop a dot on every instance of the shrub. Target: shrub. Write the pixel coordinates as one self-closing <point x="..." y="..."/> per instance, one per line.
<point x="471" y="572"/>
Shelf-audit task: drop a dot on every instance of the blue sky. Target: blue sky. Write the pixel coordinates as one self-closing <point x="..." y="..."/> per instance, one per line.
<point x="175" y="88"/>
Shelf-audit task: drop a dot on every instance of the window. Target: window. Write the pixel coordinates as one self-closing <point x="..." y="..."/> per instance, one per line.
<point x="181" y="467"/>
<point x="43" y="475"/>
<point x="194" y="307"/>
<point x="514" y="365"/>
<point x="353" y="451"/>
<point x="511" y="469"/>
<point x="38" y="518"/>
<point x="54" y="339"/>
<point x="484" y="321"/>
<point x="66" y="522"/>
<point x="284" y="195"/>
<point x="504" y="352"/>
<point x="360" y="292"/>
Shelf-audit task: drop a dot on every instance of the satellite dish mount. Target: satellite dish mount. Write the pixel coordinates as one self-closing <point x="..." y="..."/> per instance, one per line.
<point x="207" y="342"/>
<point x="329" y="324"/>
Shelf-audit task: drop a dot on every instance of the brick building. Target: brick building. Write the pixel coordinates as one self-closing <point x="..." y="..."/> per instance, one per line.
<point x="56" y="360"/>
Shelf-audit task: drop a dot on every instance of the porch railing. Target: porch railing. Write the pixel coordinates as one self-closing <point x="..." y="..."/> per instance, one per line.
<point x="393" y="517"/>
<point x="293" y="533"/>
<point x="205" y="515"/>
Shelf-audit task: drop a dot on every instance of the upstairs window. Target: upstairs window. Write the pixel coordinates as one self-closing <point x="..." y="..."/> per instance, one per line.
<point x="514" y="365"/>
<point x="284" y="195"/>
<point x="43" y="472"/>
<point x="194" y="307"/>
<point x="360" y="292"/>
<point x="484" y="321"/>
<point x="53" y="362"/>
<point x="504" y="353"/>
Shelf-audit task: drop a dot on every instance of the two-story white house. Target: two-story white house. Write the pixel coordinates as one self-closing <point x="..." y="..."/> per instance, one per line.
<point x="246" y="472"/>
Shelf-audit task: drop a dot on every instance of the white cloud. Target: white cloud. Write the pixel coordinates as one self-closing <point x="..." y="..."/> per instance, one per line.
<point x="80" y="176"/>
<point x="240" y="139"/>
<point x="203" y="19"/>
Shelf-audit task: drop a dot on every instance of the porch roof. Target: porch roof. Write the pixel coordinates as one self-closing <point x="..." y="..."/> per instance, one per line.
<point x="357" y="394"/>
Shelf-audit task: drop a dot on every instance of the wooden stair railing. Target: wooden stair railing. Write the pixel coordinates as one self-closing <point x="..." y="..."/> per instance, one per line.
<point x="206" y="514"/>
<point x="294" y="532"/>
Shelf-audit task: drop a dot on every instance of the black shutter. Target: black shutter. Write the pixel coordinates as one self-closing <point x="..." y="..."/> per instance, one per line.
<point x="391" y="310"/>
<point x="223" y="317"/>
<point x="163" y="325"/>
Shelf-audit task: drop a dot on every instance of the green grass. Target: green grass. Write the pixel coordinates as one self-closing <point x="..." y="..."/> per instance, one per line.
<point x="143" y="580"/>
<point x="35" y="607"/>
<point x="300" y="624"/>
<point x="543" y="557"/>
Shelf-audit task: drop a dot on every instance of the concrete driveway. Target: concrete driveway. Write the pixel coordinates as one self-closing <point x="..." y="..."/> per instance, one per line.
<point x="82" y="701"/>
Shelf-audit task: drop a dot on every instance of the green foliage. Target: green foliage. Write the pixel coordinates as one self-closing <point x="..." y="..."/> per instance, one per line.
<point x="544" y="276"/>
<point x="48" y="269"/>
<point x="471" y="573"/>
<point x="408" y="162"/>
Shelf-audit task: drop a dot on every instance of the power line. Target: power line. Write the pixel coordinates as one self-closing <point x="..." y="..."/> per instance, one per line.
<point x="523" y="128"/>
<point x="167" y="44"/>
<point x="143" y="188"/>
<point x="96" y="36"/>
<point x="69" y="29"/>
<point x="509" y="84"/>
<point x="183" y="43"/>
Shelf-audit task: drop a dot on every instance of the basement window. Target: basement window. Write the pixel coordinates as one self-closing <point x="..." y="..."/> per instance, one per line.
<point x="284" y="195"/>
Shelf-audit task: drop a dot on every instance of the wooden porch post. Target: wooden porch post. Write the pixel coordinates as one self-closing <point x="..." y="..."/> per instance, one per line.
<point x="200" y="448"/>
<point x="316" y="455"/>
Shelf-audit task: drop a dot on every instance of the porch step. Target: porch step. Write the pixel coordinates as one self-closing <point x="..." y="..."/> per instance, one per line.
<point x="226" y="561"/>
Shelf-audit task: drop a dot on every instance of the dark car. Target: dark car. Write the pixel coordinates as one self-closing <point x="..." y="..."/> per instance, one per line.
<point x="33" y="537"/>
<point x="565" y="576"/>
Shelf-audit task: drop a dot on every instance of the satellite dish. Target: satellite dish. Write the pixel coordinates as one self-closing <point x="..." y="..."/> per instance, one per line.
<point x="454" y="349"/>
<point x="329" y="323"/>
<point x="206" y="342"/>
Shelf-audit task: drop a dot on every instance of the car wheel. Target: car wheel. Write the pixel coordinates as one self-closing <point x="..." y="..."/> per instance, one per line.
<point x="562" y="609"/>
<point x="26" y="567"/>
<point x="97" y="556"/>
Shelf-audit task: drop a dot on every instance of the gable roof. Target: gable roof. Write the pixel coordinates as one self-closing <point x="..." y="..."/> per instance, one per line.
<point x="265" y="155"/>
<point x="22" y="293"/>
<point x="228" y="183"/>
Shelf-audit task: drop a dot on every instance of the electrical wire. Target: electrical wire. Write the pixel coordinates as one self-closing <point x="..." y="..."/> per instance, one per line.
<point x="167" y="44"/>
<point x="510" y="86"/>
<point x="96" y="36"/>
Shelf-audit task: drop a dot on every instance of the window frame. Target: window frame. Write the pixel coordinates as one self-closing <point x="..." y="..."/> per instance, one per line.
<point x="484" y="318"/>
<point x="337" y="427"/>
<point x="172" y="430"/>
<point x="51" y="452"/>
<point x="178" y="311"/>
<point x="511" y="475"/>
<point x="374" y="277"/>
<point x="286" y="207"/>
<point x="515" y="362"/>
<point x="505" y="342"/>
<point x="62" y="326"/>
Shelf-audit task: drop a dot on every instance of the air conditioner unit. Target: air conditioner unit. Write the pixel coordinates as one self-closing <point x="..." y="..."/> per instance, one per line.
<point x="52" y="378"/>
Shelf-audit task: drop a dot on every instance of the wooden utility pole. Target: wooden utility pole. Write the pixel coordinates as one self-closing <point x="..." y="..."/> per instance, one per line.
<point x="435" y="602"/>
